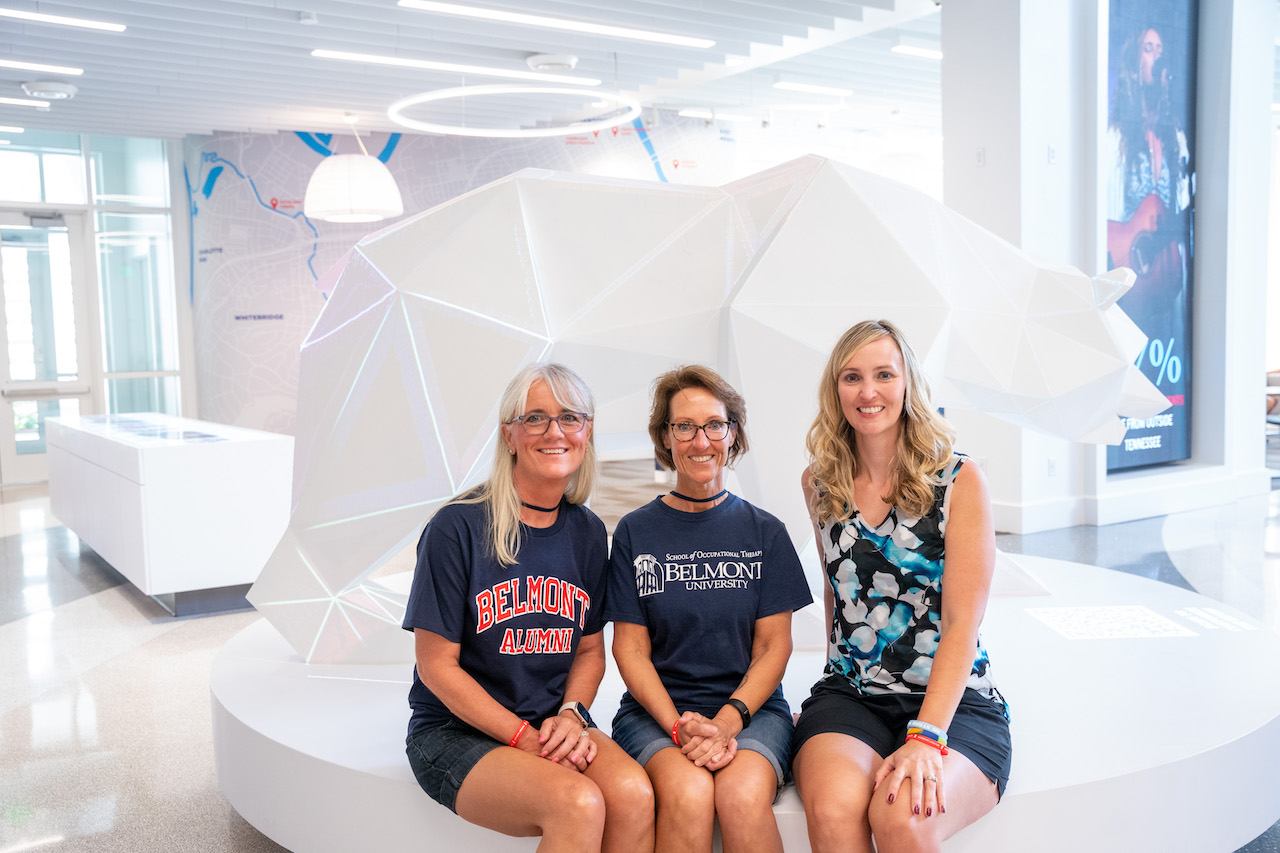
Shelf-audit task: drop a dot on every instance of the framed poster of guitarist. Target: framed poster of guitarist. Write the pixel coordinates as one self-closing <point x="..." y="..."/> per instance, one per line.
<point x="1150" y="193"/>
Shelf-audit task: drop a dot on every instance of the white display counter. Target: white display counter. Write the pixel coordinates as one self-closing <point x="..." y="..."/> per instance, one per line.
<point x="188" y="511"/>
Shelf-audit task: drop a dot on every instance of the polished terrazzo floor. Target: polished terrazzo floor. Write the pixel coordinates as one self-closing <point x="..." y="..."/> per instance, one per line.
<point x="105" y="740"/>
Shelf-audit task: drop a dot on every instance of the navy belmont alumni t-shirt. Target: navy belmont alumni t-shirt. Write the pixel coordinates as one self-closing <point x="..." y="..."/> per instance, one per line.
<point x="699" y="581"/>
<point x="518" y="626"/>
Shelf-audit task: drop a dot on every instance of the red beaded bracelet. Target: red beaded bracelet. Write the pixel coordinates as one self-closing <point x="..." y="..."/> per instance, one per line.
<point x="933" y="743"/>
<point x="524" y="724"/>
<point x="675" y="737"/>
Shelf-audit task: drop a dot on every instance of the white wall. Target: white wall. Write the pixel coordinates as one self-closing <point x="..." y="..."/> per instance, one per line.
<point x="1273" y="253"/>
<point x="1018" y="114"/>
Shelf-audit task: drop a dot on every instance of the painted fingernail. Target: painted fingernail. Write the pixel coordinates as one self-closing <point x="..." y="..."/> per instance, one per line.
<point x="891" y="799"/>
<point x="928" y="812"/>
<point x="916" y="810"/>
<point x="942" y="809"/>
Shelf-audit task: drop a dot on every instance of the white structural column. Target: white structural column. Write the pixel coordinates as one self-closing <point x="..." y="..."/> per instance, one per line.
<point x="1024" y="104"/>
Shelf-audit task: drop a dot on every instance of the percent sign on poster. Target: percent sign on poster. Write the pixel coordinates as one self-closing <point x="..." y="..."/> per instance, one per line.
<point x="1160" y="355"/>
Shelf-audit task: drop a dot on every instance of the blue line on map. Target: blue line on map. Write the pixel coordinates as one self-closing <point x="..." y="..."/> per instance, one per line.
<point x="212" y="157"/>
<point x="320" y="143"/>
<point x="211" y="180"/>
<point x="321" y="148"/>
<point x="392" y="141"/>
<point x="638" y="124"/>
<point x="191" y="246"/>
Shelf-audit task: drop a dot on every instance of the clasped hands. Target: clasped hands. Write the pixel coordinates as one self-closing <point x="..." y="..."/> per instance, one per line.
<point x="706" y="741"/>
<point x="561" y="740"/>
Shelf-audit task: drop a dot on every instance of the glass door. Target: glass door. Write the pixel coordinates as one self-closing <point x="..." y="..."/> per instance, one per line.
<point x="44" y="330"/>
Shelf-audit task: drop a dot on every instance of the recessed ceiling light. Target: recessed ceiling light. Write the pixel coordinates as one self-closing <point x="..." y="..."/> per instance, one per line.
<point x="50" y="90"/>
<point x="455" y="68"/>
<point x="555" y="23"/>
<point x="712" y="115"/>
<point x="37" y="66"/>
<point x="552" y="62"/>
<point x="810" y="108"/>
<point x="4" y="128"/>
<point x="62" y="20"/>
<point x="23" y="102"/>
<point x="811" y="89"/>
<point x="911" y="46"/>
<point x="921" y="52"/>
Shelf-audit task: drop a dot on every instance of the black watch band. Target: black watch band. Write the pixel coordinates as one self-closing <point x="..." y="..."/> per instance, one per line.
<point x="742" y="710"/>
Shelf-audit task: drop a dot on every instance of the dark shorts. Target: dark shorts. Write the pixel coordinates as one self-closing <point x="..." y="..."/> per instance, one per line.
<point x="978" y="730"/>
<point x="641" y="737"/>
<point x="441" y="758"/>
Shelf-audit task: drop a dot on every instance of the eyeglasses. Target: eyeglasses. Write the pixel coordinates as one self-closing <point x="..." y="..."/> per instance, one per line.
<point x="536" y="423"/>
<point x="714" y="430"/>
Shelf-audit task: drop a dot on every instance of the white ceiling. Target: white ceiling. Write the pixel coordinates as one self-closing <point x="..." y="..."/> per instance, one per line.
<point x="199" y="66"/>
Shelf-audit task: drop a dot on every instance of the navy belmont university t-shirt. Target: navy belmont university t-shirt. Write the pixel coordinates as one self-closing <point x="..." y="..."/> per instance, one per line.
<point x="699" y="581"/>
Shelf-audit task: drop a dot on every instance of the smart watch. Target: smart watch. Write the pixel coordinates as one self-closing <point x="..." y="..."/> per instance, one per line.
<point x="579" y="710"/>
<point x="741" y="708"/>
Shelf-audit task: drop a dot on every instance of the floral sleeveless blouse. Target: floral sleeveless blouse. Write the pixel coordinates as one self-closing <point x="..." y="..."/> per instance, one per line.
<point x="887" y="582"/>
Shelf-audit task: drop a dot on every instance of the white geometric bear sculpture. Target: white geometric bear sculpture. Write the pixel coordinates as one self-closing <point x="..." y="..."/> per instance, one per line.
<point x="621" y="280"/>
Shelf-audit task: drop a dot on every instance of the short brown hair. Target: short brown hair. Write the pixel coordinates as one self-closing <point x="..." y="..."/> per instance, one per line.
<point x="695" y="376"/>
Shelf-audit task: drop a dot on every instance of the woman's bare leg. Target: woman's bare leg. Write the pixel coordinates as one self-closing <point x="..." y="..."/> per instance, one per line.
<point x="628" y="798"/>
<point x="517" y="793"/>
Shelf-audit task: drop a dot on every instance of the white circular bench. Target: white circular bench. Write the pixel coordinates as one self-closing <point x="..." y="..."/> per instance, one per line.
<point x="1145" y="718"/>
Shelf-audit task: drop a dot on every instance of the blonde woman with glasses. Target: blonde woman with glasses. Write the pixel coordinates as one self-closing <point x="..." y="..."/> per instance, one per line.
<point x="506" y="610"/>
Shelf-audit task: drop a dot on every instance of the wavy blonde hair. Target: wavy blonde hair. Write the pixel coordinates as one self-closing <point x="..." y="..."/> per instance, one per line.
<point x="924" y="443"/>
<point x="498" y="493"/>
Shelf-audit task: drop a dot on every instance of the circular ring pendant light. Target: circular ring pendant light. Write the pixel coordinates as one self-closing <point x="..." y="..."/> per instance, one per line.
<point x="396" y="111"/>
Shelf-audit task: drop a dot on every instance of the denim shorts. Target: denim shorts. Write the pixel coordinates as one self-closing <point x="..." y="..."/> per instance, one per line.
<point x="441" y="757"/>
<point x="978" y="730"/>
<point x="769" y="734"/>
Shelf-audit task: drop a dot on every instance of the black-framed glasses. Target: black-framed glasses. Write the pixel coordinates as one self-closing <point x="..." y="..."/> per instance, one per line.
<point x="536" y="423"/>
<point x="714" y="430"/>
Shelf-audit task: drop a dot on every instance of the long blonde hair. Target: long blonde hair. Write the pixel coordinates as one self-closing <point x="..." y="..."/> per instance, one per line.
<point x="924" y="442"/>
<point x="498" y="493"/>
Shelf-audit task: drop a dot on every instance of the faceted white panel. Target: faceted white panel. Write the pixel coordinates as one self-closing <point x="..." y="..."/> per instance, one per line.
<point x="621" y="280"/>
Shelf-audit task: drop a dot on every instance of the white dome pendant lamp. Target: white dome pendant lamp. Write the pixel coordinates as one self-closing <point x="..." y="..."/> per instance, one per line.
<point x="352" y="188"/>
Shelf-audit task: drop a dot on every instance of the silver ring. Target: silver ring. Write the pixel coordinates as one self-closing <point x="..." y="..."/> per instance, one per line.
<point x="930" y="779"/>
<point x="584" y="734"/>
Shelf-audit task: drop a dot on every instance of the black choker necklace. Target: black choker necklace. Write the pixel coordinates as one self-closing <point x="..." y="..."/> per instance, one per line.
<point x="676" y="494"/>
<point x="541" y="508"/>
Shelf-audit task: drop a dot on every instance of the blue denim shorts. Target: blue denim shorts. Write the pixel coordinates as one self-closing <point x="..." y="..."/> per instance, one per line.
<point x="441" y="758"/>
<point x="769" y="734"/>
